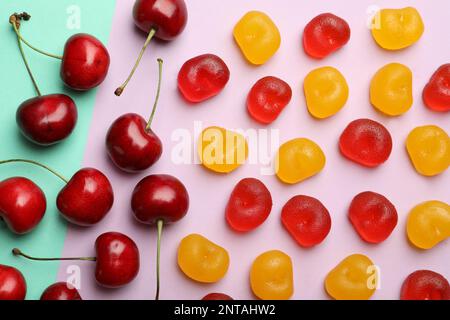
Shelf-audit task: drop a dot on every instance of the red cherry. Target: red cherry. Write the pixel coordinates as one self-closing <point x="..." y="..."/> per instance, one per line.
<point x="325" y="34"/>
<point x="85" y="62"/>
<point x="217" y="296"/>
<point x="249" y="205"/>
<point x="425" y="285"/>
<point x="167" y="17"/>
<point x="86" y="198"/>
<point x="12" y="284"/>
<point x="267" y="98"/>
<point x="22" y="204"/>
<point x="117" y="260"/>
<point x="157" y="200"/>
<point x="48" y="119"/>
<point x="436" y="94"/>
<point x="306" y="219"/>
<point x="130" y="145"/>
<point x="159" y="197"/>
<point x="373" y="216"/>
<point x="366" y="142"/>
<point x="164" y="19"/>
<point x="203" y="77"/>
<point x="61" y="291"/>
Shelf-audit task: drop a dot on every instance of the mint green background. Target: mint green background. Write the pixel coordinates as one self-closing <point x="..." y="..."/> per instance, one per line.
<point x="47" y="30"/>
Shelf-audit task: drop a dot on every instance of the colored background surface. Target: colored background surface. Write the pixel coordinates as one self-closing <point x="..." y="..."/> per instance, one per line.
<point x="48" y="30"/>
<point x="209" y="30"/>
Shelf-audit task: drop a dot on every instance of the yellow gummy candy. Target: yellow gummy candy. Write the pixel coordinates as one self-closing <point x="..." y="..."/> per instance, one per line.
<point x="271" y="276"/>
<point x="222" y="150"/>
<point x="428" y="224"/>
<point x="326" y="92"/>
<point x="391" y="89"/>
<point x="202" y="260"/>
<point x="354" y="278"/>
<point x="299" y="159"/>
<point x="429" y="150"/>
<point x="257" y="36"/>
<point x="395" y="29"/>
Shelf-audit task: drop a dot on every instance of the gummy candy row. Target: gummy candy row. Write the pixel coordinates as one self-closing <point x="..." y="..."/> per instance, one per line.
<point x="308" y="221"/>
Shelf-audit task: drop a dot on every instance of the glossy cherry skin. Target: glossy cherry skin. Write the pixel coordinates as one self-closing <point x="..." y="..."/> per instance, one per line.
<point x="61" y="291"/>
<point x="373" y="216"/>
<point x="325" y="34"/>
<point x="425" y="285"/>
<point x="12" y="284"/>
<point x="46" y="120"/>
<point x="85" y="62"/>
<point x="217" y="296"/>
<point x="130" y="146"/>
<point x="159" y="197"/>
<point x="167" y="17"/>
<point x="436" y="94"/>
<point x="203" y="77"/>
<point x="306" y="219"/>
<point x="267" y="98"/>
<point x="86" y="198"/>
<point x="249" y="205"/>
<point x="22" y="204"/>
<point x="117" y="260"/>
<point x="366" y="142"/>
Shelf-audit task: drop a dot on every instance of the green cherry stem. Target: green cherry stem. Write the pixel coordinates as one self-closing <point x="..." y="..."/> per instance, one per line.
<point x="120" y="89"/>
<point x="33" y="47"/>
<point x="13" y="20"/>
<point x="158" y="90"/>
<point x="18" y="252"/>
<point x="159" y="225"/>
<point x="36" y="164"/>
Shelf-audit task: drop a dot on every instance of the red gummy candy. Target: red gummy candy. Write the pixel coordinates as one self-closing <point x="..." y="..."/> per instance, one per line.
<point x="425" y="285"/>
<point x="203" y="77"/>
<point x="267" y="98"/>
<point x="373" y="216"/>
<point x="249" y="205"/>
<point x="436" y="94"/>
<point x="325" y="34"/>
<point x="306" y="219"/>
<point x="366" y="142"/>
<point x="217" y="296"/>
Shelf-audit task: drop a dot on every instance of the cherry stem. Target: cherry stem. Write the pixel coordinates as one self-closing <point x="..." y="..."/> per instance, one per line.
<point x="159" y="224"/>
<point x="37" y="164"/>
<point x="158" y="90"/>
<point x="13" y="20"/>
<point x="120" y="89"/>
<point x="29" y="44"/>
<point x="17" y="252"/>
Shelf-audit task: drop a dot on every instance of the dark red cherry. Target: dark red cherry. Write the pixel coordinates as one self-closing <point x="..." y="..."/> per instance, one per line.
<point x="85" y="62"/>
<point x="48" y="119"/>
<point x="131" y="145"/>
<point x="61" y="291"/>
<point x="12" y="284"/>
<point x="167" y="17"/>
<point x="22" y="204"/>
<point x="86" y="198"/>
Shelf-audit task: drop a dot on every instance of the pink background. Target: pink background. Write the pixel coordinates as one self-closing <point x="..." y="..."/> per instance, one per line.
<point x="209" y="30"/>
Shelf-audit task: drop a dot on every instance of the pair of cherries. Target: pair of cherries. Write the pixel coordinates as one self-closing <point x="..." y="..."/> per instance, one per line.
<point x="85" y="199"/>
<point x="117" y="264"/>
<point x="49" y="119"/>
